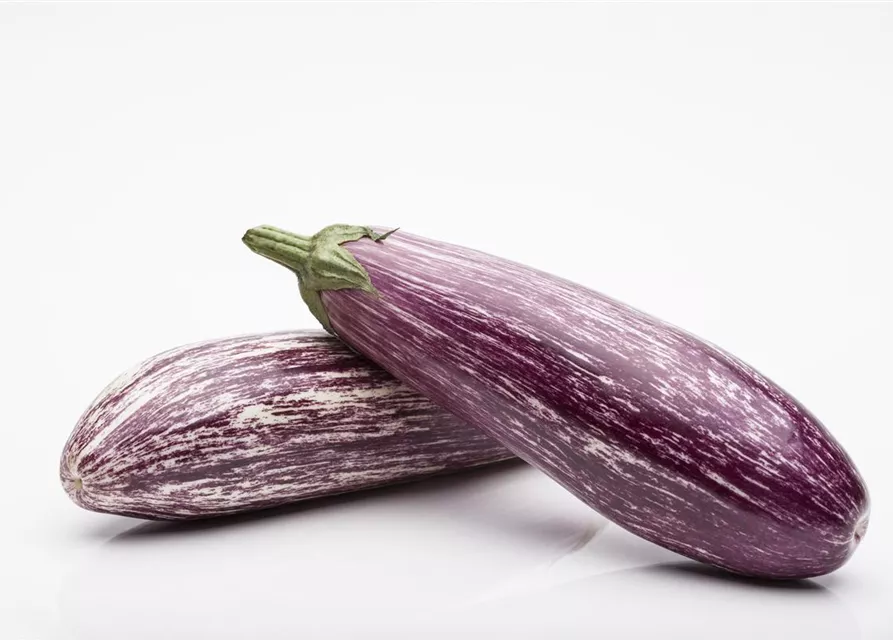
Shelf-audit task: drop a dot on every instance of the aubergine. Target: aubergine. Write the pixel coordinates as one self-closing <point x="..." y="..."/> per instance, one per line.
<point x="257" y="421"/>
<point x="661" y="432"/>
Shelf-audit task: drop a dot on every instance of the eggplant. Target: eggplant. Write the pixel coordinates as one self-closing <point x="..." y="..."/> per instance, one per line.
<point x="257" y="421"/>
<point x="661" y="432"/>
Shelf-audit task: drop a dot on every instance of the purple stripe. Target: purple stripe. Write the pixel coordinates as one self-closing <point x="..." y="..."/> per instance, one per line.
<point x="257" y="421"/>
<point x="663" y="433"/>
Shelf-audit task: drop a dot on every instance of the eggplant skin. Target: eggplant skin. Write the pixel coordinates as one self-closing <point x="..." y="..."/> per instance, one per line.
<point x="661" y="432"/>
<point x="257" y="421"/>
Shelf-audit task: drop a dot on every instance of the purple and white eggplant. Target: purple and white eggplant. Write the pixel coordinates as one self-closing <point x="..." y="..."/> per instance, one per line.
<point x="257" y="421"/>
<point x="661" y="432"/>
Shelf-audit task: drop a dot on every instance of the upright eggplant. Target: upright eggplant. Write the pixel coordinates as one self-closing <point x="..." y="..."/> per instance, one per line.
<point x="661" y="432"/>
<point x="257" y="421"/>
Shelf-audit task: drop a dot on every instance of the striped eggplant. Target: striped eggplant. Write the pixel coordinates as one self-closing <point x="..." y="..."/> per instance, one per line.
<point x="661" y="432"/>
<point x="257" y="421"/>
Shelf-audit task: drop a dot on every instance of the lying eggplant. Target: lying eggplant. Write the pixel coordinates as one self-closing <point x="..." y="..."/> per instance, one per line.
<point x="661" y="432"/>
<point x="257" y="421"/>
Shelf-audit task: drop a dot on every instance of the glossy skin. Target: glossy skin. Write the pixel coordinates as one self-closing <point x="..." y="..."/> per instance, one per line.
<point x="257" y="421"/>
<point x="661" y="432"/>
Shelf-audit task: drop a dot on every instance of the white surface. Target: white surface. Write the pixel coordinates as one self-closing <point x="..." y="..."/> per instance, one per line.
<point x="727" y="168"/>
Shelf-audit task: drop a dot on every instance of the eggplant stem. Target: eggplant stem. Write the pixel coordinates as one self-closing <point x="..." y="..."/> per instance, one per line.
<point x="319" y="261"/>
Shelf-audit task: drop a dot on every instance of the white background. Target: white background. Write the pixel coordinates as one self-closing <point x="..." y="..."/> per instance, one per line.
<point x="728" y="168"/>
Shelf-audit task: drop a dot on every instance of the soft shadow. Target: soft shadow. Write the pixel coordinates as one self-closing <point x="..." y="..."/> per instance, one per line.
<point x="103" y="529"/>
<point x="674" y="600"/>
<point x="446" y="483"/>
<point x="571" y="529"/>
<point x="462" y="489"/>
<point x="692" y="569"/>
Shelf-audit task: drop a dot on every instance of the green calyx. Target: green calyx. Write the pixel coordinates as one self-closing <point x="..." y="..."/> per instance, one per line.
<point x="319" y="261"/>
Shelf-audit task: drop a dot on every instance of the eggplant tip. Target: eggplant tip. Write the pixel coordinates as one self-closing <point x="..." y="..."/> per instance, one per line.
<point x="861" y="528"/>
<point x="73" y="486"/>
